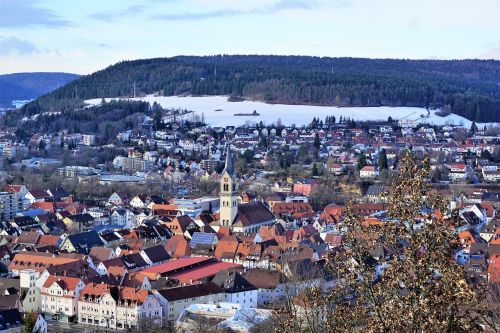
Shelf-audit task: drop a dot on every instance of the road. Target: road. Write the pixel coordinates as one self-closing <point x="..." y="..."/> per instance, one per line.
<point x="58" y="327"/>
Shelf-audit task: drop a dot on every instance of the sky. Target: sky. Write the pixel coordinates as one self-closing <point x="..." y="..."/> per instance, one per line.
<point x="81" y="37"/>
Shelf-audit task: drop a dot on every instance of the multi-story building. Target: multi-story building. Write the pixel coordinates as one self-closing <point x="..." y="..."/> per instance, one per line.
<point x="89" y="139"/>
<point x="175" y="300"/>
<point x="136" y="164"/>
<point x="117" y="307"/>
<point x="10" y="205"/>
<point x="60" y="296"/>
<point x="368" y="172"/>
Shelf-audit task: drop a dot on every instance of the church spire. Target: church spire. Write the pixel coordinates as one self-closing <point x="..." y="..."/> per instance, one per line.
<point x="229" y="162"/>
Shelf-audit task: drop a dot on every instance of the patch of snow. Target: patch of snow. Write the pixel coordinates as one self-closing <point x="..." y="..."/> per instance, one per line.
<point x="288" y="114"/>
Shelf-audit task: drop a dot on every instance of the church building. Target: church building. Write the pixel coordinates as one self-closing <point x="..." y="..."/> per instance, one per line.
<point x="241" y="218"/>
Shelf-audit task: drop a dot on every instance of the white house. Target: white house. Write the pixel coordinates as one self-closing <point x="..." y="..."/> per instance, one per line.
<point x="238" y="290"/>
<point x="117" y="307"/>
<point x="368" y="172"/>
<point x="59" y="297"/>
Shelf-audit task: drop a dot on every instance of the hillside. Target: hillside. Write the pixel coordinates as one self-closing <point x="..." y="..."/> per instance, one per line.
<point x="470" y="87"/>
<point x="25" y="86"/>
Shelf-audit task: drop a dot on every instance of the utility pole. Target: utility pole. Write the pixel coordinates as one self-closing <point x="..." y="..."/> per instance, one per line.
<point x="134" y="89"/>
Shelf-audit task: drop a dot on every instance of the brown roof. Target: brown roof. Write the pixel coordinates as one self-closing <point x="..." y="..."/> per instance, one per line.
<point x="292" y="208"/>
<point x="177" y="246"/>
<point x="38" y="261"/>
<point x="101" y="253"/>
<point x="66" y="283"/>
<point x="45" y="240"/>
<point x="13" y="188"/>
<point x="251" y="213"/>
<point x="263" y="278"/>
<point x="226" y="248"/>
<point x="28" y="237"/>
<point x="78" y="269"/>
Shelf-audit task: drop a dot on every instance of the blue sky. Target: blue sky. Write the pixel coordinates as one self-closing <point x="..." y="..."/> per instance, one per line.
<point x="84" y="36"/>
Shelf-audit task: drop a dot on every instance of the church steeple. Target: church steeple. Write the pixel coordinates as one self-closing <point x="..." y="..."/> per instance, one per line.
<point x="228" y="193"/>
<point x="229" y="168"/>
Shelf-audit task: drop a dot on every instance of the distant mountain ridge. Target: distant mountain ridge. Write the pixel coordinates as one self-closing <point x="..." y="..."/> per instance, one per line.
<point x="470" y="87"/>
<point x="26" y="86"/>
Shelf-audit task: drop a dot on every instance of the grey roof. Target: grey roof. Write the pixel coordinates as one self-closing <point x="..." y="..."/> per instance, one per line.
<point x="157" y="253"/>
<point x="252" y="213"/>
<point x="10" y="318"/>
<point x="191" y="291"/>
<point x="232" y="282"/>
<point x="85" y="241"/>
<point x="229" y="168"/>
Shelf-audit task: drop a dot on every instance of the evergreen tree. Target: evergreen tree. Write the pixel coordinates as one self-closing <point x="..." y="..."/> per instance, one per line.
<point x="314" y="169"/>
<point x="485" y="154"/>
<point x="473" y="128"/>
<point x="317" y="142"/>
<point x="382" y="160"/>
<point x="361" y="161"/>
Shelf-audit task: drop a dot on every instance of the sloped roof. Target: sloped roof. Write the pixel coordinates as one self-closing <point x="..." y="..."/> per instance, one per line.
<point x="177" y="246"/>
<point x="28" y="237"/>
<point x="66" y="283"/>
<point x="264" y="278"/>
<point x="38" y="261"/>
<point x="254" y="212"/>
<point x="101" y="253"/>
<point x="202" y="238"/>
<point x="10" y="318"/>
<point x="85" y="241"/>
<point x="191" y="291"/>
<point x="157" y="253"/>
<point x="226" y="248"/>
<point x="232" y="281"/>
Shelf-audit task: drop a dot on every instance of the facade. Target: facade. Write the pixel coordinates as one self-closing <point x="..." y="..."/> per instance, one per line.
<point x="238" y="289"/>
<point x="228" y="193"/>
<point x="240" y="218"/>
<point x="10" y="205"/>
<point x="59" y="296"/>
<point x="368" y="172"/>
<point x="117" y="307"/>
<point x="175" y="300"/>
<point x="88" y="139"/>
<point x="134" y="164"/>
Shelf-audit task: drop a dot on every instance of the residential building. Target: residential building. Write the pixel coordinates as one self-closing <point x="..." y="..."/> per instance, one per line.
<point x="60" y="296"/>
<point x="117" y="307"/>
<point x="175" y="300"/>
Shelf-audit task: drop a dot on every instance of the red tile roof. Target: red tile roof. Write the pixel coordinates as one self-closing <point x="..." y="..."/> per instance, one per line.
<point x="207" y="271"/>
<point x="175" y="265"/>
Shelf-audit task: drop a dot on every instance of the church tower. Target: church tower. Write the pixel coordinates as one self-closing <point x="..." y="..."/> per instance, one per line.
<point x="228" y="193"/>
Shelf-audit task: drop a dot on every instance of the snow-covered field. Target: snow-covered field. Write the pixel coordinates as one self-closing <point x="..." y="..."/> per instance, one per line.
<point x="288" y="114"/>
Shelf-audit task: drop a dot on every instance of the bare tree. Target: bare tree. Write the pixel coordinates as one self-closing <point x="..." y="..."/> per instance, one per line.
<point x="398" y="276"/>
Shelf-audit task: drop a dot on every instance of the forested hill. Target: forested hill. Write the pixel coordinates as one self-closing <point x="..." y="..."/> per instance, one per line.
<point x="25" y="86"/>
<point x="470" y="87"/>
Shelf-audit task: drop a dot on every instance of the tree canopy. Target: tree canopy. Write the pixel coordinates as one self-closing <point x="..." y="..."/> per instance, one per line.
<point x="469" y="87"/>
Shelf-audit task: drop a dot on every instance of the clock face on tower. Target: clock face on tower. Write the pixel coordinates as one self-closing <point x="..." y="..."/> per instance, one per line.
<point x="225" y="179"/>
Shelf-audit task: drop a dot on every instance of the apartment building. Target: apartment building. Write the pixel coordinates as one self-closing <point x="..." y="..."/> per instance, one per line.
<point x="59" y="296"/>
<point x="175" y="300"/>
<point x="10" y="205"/>
<point x="117" y="307"/>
